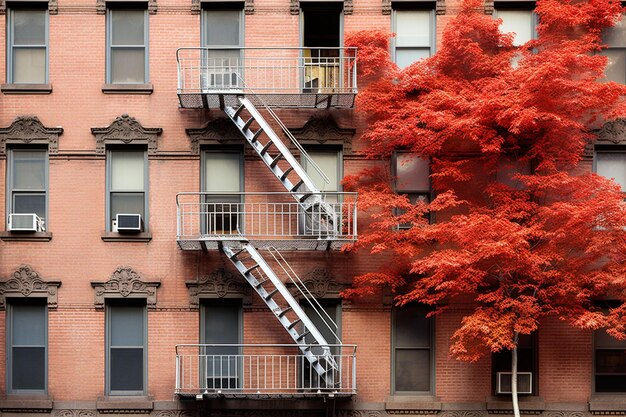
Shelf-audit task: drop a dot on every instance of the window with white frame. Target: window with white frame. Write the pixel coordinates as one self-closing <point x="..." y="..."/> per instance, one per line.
<point x="127" y="44"/>
<point x="611" y="163"/>
<point x="615" y="38"/>
<point x="127" y="184"/>
<point x="27" y="182"/>
<point x="27" y="44"/>
<point x="222" y="35"/>
<point x="415" y="34"/>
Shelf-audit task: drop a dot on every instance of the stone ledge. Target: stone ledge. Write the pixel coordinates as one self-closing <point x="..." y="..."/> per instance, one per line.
<point x="527" y="405"/>
<point x="26" y="404"/>
<point x="412" y="404"/>
<point x="26" y="236"/>
<point x="26" y="88"/>
<point x="123" y="237"/>
<point x="125" y="405"/>
<point x="609" y="405"/>
<point x="128" y="88"/>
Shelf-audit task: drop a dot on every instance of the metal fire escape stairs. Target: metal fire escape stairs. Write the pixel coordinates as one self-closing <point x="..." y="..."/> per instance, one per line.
<point x="322" y="220"/>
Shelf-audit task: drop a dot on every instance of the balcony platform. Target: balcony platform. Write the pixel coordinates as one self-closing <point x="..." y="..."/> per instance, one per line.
<point x="266" y="396"/>
<point x="207" y="99"/>
<point x="214" y="242"/>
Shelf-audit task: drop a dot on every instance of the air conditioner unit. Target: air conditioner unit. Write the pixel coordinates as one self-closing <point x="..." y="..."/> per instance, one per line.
<point x="127" y="223"/>
<point x="524" y="383"/>
<point x="26" y="222"/>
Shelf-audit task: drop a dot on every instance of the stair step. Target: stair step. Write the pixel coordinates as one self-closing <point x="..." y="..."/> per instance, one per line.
<point x="293" y="324"/>
<point x="285" y="311"/>
<point x="260" y="283"/>
<point x="256" y="135"/>
<point x="253" y="267"/>
<point x="238" y="111"/>
<point x="247" y="124"/>
<point x="275" y="161"/>
<point x="266" y="147"/>
<point x="271" y="294"/>
<point x="287" y="171"/>
<point x="298" y="185"/>
<point x="304" y="197"/>
<point x="235" y="254"/>
<point x="303" y="335"/>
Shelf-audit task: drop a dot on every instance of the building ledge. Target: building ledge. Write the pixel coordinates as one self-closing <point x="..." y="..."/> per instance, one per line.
<point x="143" y="237"/>
<point x="127" y="88"/>
<point x="26" y="88"/>
<point x="26" y="236"/>
<point x="125" y="405"/>
<point x="26" y="404"/>
<point x="412" y="404"/>
<point x="608" y="404"/>
<point x="527" y="405"/>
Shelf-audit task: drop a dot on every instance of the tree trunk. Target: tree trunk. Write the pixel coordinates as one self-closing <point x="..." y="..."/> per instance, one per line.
<point x="514" y="376"/>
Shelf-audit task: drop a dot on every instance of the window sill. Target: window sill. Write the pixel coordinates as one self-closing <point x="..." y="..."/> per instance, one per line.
<point x="126" y="405"/>
<point x="127" y="88"/>
<point x="26" y="236"/>
<point x="607" y="404"/>
<point x="528" y="404"/>
<point x="143" y="237"/>
<point x="26" y="88"/>
<point x="402" y="404"/>
<point x="26" y="404"/>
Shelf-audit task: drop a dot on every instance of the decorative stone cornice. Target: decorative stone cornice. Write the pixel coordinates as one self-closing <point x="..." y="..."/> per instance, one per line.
<point x="101" y="6"/>
<point x="324" y="130"/>
<point x="25" y="282"/>
<point x="75" y="413"/>
<point x="218" y="284"/>
<point x="29" y="130"/>
<point x="126" y="130"/>
<point x="613" y="132"/>
<point x="217" y="131"/>
<point x="320" y="284"/>
<point x="125" y="282"/>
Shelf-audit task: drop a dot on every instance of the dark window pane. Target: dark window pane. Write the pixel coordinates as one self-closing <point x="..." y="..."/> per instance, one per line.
<point x="412" y="328"/>
<point x="29" y="170"/>
<point x="525" y="360"/>
<point x="603" y="340"/>
<point x="412" y="173"/>
<point x="221" y="27"/>
<point x="29" y="325"/>
<point x="221" y="325"/>
<point x="29" y="27"/>
<point x="332" y="309"/>
<point x="126" y="369"/>
<point x="29" y="368"/>
<point x="412" y="370"/>
<point x="30" y="203"/>
<point x="127" y="27"/>
<point x="610" y="383"/>
<point x="127" y="327"/>
<point x="127" y="203"/>
<point x="611" y="361"/>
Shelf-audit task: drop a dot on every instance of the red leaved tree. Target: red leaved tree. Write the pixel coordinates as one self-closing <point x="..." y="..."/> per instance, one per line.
<point x="522" y="245"/>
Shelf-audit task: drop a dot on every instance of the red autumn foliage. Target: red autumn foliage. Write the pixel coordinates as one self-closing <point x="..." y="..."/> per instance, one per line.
<point x="548" y="242"/>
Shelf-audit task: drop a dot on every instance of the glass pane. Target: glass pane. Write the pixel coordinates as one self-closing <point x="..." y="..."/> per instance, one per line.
<point x="616" y="36"/>
<point x="412" y="370"/>
<point x="29" y="170"/>
<point x="412" y="173"/>
<point x="407" y="56"/>
<point x="126" y="369"/>
<point x="328" y="161"/>
<point x="610" y="383"/>
<point x="612" y="165"/>
<point x="29" y="65"/>
<point x="128" y="65"/>
<point x="412" y="328"/>
<point x="221" y="325"/>
<point x="222" y="172"/>
<point x="413" y="28"/>
<point x="519" y="22"/>
<point x="127" y="169"/>
<point x="29" y="368"/>
<point x="221" y="27"/>
<point x="127" y="325"/>
<point x="603" y="340"/>
<point x="29" y="324"/>
<point x="30" y="203"/>
<point x="616" y="67"/>
<point x="332" y="309"/>
<point x="611" y="361"/>
<point x="29" y="27"/>
<point x="127" y="203"/>
<point x="127" y="27"/>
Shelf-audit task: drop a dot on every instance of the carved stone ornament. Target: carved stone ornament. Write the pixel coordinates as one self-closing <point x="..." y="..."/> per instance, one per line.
<point x="320" y="284"/>
<point x="324" y="130"/>
<point x="126" y="130"/>
<point x="125" y="282"/>
<point x="221" y="131"/>
<point x="613" y="131"/>
<point x="29" y="130"/>
<point x="75" y="413"/>
<point x="177" y="413"/>
<point x="440" y="6"/>
<point x="101" y="6"/>
<point x="218" y="284"/>
<point x="53" y="7"/>
<point x="25" y="282"/>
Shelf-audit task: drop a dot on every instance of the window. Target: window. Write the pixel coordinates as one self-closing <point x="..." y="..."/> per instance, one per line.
<point x="526" y="362"/>
<point x="27" y="346"/>
<point x="27" y="181"/>
<point x="127" y="45"/>
<point x="615" y="38"/>
<point x="612" y="164"/>
<point x="222" y="172"/>
<point x="610" y="363"/>
<point x="126" y="337"/>
<point x="27" y="42"/>
<point x="327" y="320"/>
<point x="221" y="323"/>
<point x="415" y="34"/>
<point x="330" y="161"/>
<point x="127" y="184"/>
<point x="518" y="18"/>
<point x="412" y="350"/>
<point x="222" y="32"/>
<point x="508" y="167"/>
<point x="412" y="176"/>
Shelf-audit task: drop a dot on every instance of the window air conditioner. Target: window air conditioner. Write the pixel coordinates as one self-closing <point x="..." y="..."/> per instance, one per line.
<point x="524" y="383"/>
<point x="127" y="223"/>
<point x="25" y="222"/>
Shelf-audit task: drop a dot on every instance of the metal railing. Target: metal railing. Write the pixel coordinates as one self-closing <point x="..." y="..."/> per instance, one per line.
<point x="267" y="70"/>
<point x="261" y="369"/>
<point x="268" y="216"/>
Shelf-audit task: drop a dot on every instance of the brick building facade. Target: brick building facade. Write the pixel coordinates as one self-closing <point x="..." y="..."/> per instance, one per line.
<point x="97" y="120"/>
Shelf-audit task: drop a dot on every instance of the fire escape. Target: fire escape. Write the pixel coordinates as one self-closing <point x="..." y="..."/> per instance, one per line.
<point x="247" y="88"/>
